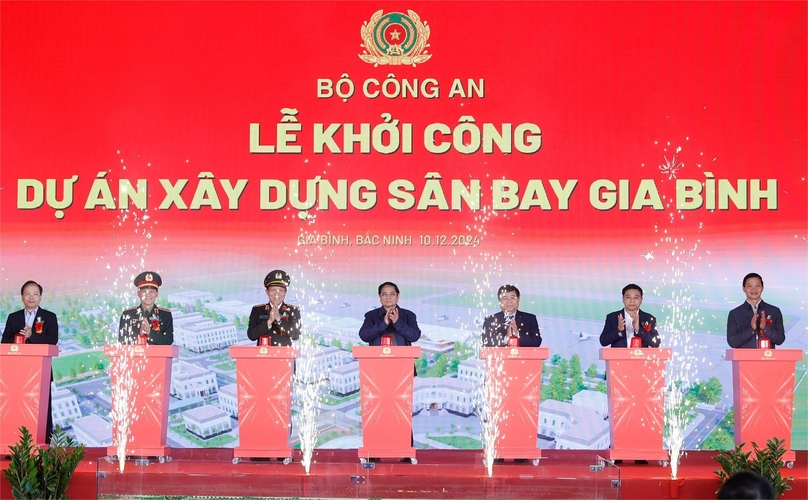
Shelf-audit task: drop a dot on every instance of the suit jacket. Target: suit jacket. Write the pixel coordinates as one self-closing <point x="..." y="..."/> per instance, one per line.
<point x="160" y="320"/>
<point x="16" y="322"/>
<point x="280" y="333"/>
<point x="495" y="330"/>
<point x="739" y="328"/>
<point x="405" y="330"/>
<point x="617" y="338"/>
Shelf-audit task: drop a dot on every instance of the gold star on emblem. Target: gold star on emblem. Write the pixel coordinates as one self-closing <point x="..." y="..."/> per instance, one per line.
<point x="394" y="35"/>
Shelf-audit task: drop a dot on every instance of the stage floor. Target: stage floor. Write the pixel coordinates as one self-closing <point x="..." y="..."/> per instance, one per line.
<point x="438" y="474"/>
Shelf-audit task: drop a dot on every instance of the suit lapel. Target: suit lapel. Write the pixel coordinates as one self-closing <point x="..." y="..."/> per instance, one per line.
<point x="500" y="319"/>
<point x="22" y="320"/>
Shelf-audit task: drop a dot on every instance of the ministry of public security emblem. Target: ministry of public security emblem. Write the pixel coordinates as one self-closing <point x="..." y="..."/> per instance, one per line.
<point x="395" y="39"/>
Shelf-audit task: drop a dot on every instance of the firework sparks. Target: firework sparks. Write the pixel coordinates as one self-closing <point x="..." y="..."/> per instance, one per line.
<point x="124" y="388"/>
<point x="492" y="414"/>
<point x="670" y="167"/>
<point x="307" y="386"/>
<point x="488" y="391"/>
<point x="676" y="257"/>
<point x="132" y="232"/>
<point x="309" y="380"/>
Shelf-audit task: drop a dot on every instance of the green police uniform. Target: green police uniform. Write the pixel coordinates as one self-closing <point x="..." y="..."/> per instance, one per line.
<point x="161" y="323"/>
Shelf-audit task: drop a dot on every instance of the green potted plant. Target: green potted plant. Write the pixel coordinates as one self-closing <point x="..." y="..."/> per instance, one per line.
<point x="766" y="461"/>
<point x="35" y="472"/>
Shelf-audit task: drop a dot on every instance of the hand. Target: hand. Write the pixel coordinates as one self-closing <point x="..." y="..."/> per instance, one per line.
<point x="274" y="315"/>
<point x="755" y="322"/>
<point x="513" y="330"/>
<point x="26" y="331"/>
<point x="145" y="327"/>
<point x="635" y="319"/>
<point x="621" y="323"/>
<point x="392" y="315"/>
<point x="762" y="321"/>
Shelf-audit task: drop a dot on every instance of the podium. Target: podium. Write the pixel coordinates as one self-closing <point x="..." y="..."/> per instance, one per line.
<point x="514" y="376"/>
<point x="145" y="372"/>
<point x="635" y="379"/>
<point x="25" y="375"/>
<point x="264" y="386"/>
<point x="386" y="389"/>
<point x="763" y="395"/>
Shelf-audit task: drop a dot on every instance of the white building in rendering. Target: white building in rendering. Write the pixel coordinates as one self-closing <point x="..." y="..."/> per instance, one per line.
<point x="207" y="421"/>
<point x="593" y="400"/>
<point x="93" y="431"/>
<point x="445" y="393"/>
<point x="471" y="370"/>
<point x="573" y="427"/>
<point x="189" y="380"/>
<point x="431" y="347"/>
<point x="344" y="379"/>
<point x="64" y="408"/>
<point x="228" y="399"/>
<point x="176" y="406"/>
<point x="205" y="336"/>
<point x="325" y="359"/>
<point x="181" y="318"/>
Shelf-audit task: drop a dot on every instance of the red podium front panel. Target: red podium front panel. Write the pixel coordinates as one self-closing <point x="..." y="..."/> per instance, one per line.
<point x="763" y="395"/>
<point x="386" y="388"/>
<point x="146" y="371"/>
<point x="515" y="372"/>
<point x="25" y="373"/>
<point x="264" y="381"/>
<point x="636" y="381"/>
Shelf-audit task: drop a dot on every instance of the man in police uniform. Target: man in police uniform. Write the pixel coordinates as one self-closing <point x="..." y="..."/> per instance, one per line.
<point x="277" y="319"/>
<point x="147" y="318"/>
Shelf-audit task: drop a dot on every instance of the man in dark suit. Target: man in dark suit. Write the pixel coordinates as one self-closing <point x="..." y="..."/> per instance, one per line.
<point x="38" y="326"/>
<point x="390" y="320"/>
<point x="147" y="319"/>
<point x="754" y="318"/>
<point x="277" y="319"/>
<point x="630" y="322"/>
<point x="510" y="322"/>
